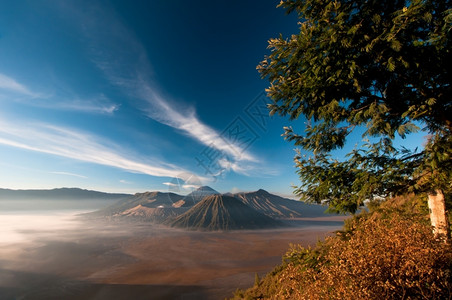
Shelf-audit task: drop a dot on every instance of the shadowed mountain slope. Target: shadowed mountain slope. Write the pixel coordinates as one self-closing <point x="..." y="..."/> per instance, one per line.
<point x="153" y="214"/>
<point x="196" y="196"/>
<point x="221" y="212"/>
<point x="279" y="207"/>
<point x="147" y="200"/>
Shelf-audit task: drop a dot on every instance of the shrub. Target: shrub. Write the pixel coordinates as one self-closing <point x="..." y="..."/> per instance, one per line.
<point x="390" y="258"/>
<point x="386" y="254"/>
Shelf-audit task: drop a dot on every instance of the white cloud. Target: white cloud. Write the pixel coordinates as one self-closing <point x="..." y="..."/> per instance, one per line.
<point x="69" y="174"/>
<point x="10" y="84"/>
<point x="236" y="190"/>
<point x="98" y="104"/>
<point x="247" y="168"/>
<point x="76" y="145"/>
<point x="191" y="186"/>
<point x="161" y="111"/>
<point x="119" y="54"/>
<point x="234" y="166"/>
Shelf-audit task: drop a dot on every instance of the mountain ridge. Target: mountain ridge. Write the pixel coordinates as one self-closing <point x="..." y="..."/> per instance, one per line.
<point x="196" y="196"/>
<point x="64" y="193"/>
<point x="157" y="205"/>
<point x="147" y="199"/>
<point x="278" y="207"/>
<point x="221" y="212"/>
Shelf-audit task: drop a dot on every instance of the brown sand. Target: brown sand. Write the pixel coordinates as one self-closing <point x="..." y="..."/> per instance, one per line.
<point x="148" y="262"/>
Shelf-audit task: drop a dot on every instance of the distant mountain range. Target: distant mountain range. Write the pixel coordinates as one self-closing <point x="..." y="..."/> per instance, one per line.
<point x="207" y="209"/>
<point x="55" y="199"/>
<point x="58" y="194"/>
<point x="202" y="209"/>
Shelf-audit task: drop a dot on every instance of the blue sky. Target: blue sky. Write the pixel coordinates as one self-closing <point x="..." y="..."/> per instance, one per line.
<point x="128" y="96"/>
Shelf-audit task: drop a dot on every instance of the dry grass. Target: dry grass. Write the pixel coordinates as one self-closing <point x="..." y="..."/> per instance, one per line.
<point x="387" y="254"/>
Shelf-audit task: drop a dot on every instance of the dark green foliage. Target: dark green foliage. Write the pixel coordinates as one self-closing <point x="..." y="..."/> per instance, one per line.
<point x="305" y="257"/>
<point x="380" y="65"/>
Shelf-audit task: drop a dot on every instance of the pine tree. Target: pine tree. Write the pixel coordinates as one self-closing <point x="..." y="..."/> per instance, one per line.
<point x="384" y="66"/>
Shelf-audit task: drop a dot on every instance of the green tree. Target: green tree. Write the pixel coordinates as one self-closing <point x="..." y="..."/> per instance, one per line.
<point x="382" y="66"/>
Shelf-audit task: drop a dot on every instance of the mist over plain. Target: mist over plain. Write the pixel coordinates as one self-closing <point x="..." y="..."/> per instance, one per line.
<point x="48" y="250"/>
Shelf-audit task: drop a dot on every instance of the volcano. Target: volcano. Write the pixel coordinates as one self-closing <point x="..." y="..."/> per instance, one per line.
<point x="153" y="214"/>
<point x="278" y="207"/>
<point x="196" y="196"/>
<point x="221" y="212"/>
<point x="139" y="204"/>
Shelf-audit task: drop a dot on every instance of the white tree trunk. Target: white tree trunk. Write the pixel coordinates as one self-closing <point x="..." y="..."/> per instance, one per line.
<point x="438" y="217"/>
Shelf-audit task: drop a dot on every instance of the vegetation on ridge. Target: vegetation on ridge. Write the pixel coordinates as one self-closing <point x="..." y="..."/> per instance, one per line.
<point x="381" y="67"/>
<point x="388" y="253"/>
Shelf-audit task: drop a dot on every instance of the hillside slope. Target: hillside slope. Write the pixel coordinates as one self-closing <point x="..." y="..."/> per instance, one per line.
<point x="196" y="196"/>
<point x="387" y="253"/>
<point x="220" y="212"/>
<point x="152" y="214"/>
<point x="147" y="199"/>
<point x="278" y="207"/>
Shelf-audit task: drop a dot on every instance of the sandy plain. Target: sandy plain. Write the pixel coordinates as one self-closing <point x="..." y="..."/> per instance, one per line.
<point x="98" y="260"/>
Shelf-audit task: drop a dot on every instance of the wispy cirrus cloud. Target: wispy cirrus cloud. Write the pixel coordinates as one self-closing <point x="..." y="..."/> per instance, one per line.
<point x="165" y="113"/>
<point x="45" y="138"/>
<point x="90" y="107"/>
<point x="10" y="84"/>
<point x="19" y="92"/>
<point x="191" y="186"/>
<point x="69" y="174"/>
<point x="94" y="105"/>
<point x="122" y="58"/>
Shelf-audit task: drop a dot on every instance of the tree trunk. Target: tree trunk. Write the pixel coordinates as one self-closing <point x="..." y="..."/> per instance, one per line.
<point x="438" y="216"/>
